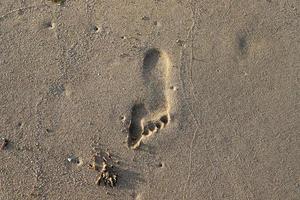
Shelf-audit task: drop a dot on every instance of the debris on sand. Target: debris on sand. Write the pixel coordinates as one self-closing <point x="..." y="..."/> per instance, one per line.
<point x="107" y="174"/>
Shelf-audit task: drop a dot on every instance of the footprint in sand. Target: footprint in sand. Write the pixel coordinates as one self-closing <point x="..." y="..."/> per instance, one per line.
<point x="152" y="115"/>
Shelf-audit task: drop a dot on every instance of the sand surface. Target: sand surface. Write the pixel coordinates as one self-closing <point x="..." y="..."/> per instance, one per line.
<point x="186" y="99"/>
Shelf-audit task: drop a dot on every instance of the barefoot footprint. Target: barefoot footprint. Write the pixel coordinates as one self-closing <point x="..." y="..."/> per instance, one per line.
<point x="151" y="115"/>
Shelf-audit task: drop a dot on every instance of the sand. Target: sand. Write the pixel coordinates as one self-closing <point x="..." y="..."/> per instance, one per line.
<point x="181" y="99"/>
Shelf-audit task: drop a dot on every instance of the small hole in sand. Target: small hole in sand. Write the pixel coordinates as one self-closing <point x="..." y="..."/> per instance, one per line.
<point x="95" y="28"/>
<point x="49" y="130"/>
<point x="79" y="161"/>
<point x="164" y="119"/>
<point x="75" y="160"/>
<point x="174" y="88"/>
<point x="123" y="119"/>
<point x="160" y="164"/>
<point x="49" y="25"/>
<point x="19" y="124"/>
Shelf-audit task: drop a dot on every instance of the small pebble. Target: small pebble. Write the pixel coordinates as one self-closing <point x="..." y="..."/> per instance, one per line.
<point x="73" y="159"/>
<point x="145" y="18"/>
<point x="179" y="42"/>
<point x="123" y="119"/>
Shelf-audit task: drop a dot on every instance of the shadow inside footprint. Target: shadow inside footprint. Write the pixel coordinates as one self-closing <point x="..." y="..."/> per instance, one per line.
<point x="154" y="70"/>
<point x="138" y="112"/>
<point x="150" y="60"/>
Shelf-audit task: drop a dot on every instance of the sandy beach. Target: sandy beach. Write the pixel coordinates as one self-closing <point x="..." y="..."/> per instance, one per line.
<point x="149" y="99"/>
